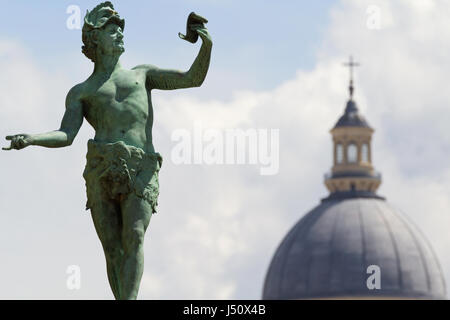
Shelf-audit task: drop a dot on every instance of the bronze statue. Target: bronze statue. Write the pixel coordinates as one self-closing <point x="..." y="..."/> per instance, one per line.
<point x="122" y="166"/>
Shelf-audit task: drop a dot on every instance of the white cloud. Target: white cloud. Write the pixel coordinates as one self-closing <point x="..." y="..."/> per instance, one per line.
<point x="218" y="226"/>
<point x="401" y="90"/>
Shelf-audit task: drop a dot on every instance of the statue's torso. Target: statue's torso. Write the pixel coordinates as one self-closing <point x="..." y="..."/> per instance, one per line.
<point x="120" y="108"/>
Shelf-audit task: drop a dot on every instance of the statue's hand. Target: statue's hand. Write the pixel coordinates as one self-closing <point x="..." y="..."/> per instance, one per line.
<point x="18" y="141"/>
<point x="202" y="31"/>
<point x="195" y="27"/>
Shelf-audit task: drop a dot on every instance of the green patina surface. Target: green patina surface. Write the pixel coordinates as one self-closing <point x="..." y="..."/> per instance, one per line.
<point x="122" y="166"/>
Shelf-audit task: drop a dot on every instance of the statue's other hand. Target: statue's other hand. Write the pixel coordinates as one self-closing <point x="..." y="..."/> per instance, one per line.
<point x="18" y="141"/>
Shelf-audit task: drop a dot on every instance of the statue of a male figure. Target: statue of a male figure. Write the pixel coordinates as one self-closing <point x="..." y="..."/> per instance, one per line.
<point x="122" y="166"/>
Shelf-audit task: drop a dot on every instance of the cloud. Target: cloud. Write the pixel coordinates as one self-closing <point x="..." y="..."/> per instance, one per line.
<point x="218" y="226"/>
<point x="401" y="89"/>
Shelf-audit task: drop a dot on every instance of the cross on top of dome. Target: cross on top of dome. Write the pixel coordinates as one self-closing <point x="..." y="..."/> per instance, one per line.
<point x="351" y="64"/>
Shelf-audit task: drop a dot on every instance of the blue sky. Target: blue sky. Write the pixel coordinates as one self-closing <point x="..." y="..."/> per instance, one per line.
<point x="256" y="45"/>
<point x="275" y="65"/>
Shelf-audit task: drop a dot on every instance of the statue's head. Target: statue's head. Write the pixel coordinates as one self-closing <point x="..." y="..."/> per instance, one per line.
<point x="102" y="31"/>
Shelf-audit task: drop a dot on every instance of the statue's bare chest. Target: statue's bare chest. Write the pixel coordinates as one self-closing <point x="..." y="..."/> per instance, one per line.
<point x="120" y="98"/>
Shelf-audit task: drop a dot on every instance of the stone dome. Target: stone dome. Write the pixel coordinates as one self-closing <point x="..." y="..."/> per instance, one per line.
<point x="326" y="255"/>
<point x="351" y="117"/>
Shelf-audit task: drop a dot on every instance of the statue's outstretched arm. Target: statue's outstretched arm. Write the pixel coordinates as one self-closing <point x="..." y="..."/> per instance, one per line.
<point x="70" y="125"/>
<point x="173" y="79"/>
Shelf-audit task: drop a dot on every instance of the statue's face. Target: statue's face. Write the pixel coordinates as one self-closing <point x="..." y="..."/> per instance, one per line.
<point x="110" y="40"/>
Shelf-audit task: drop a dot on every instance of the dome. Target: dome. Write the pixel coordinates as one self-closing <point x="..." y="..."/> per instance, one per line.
<point x="326" y="255"/>
<point x="351" y="117"/>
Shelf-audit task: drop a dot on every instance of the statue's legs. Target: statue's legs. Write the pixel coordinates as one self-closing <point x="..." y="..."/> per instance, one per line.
<point x="122" y="189"/>
<point x="136" y="214"/>
<point x="107" y="220"/>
